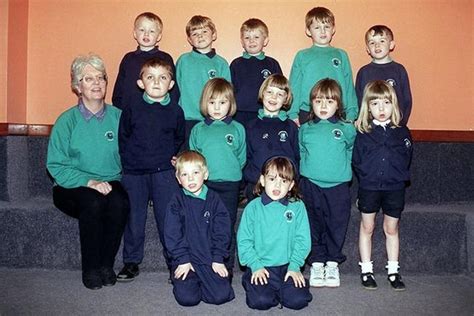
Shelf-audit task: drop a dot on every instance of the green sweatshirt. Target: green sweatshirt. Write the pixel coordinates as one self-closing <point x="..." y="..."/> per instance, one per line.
<point x="273" y="235"/>
<point x="193" y="70"/>
<point x="223" y="144"/>
<point x="315" y="63"/>
<point x="326" y="152"/>
<point x="81" y="150"/>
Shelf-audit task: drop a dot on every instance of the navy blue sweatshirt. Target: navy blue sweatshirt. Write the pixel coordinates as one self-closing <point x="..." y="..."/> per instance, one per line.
<point x="197" y="228"/>
<point x="150" y="135"/>
<point x="248" y="74"/>
<point x="268" y="137"/>
<point x="393" y="73"/>
<point x="381" y="158"/>
<point x="126" y="88"/>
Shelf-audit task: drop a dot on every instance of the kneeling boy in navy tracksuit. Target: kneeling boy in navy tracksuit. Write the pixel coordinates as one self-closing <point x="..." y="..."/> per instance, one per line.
<point x="197" y="236"/>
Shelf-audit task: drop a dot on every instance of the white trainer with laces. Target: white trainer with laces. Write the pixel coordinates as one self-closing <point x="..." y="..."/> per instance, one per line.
<point x="332" y="274"/>
<point x="316" y="278"/>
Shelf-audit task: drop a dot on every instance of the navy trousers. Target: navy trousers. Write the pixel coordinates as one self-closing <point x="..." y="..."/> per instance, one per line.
<point x="158" y="187"/>
<point x="229" y="193"/>
<point x="329" y="211"/>
<point x="276" y="291"/>
<point x="202" y="285"/>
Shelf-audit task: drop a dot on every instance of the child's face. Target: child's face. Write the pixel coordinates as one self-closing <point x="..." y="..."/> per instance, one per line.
<point x="379" y="47"/>
<point x="93" y="85"/>
<point x="275" y="186"/>
<point x="191" y="177"/>
<point x="201" y="39"/>
<point x="156" y="81"/>
<point x="253" y="41"/>
<point x="273" y="100"/>
<point x="147" y="33"/>
<point x="218" y="107"/>
<point x="381" y="109"/>
<point x="321" y="33"/>
<point x="323" y="107"/>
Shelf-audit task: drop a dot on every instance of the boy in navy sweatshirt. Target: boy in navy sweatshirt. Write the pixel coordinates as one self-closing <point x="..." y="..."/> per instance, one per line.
<point x="147" y="32"/>
<point x="151" y="131"/>
<point x="250" y="70"/>
<point x="197" y="236"/>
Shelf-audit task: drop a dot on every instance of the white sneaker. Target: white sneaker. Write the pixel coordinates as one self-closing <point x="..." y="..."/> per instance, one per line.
<point x="316" y="278"/>
<point x="332" y="274"/>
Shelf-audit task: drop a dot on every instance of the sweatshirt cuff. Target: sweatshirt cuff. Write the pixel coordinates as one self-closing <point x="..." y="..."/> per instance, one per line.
<point x="294" y="267"/>
<point x="256" y="266"/>
<point x="217" y="259"/>
<point x="183" y="259"/>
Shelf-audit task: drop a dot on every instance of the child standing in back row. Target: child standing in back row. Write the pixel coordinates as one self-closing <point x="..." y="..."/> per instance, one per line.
<point x="318" y="62"/>
<point x="380" y="42"/>
<point x="381" y="160"/>
<point x="221" y="141"/>
<point x="147" y="31"/>
<point x="195" y="68"/>
<point x="326" y="143"/>
<point x="250" y="70"/>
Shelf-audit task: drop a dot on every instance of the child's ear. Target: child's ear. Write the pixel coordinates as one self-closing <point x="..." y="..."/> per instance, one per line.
<point x="214" y="36"/>
<point x="177" y="178"/>
<point x="158" y="38"/>
<point x="262" y="180"/>
<point x="308" y="33"/>
<point x="333" y="29"/>
<point x="265" y="41"/>
<point x="392" y="45"/>
<point x="206" y="174"/>
<point x="292" y="184"/>
<point x="140" y="84"/>
<point x="171" y="84"/>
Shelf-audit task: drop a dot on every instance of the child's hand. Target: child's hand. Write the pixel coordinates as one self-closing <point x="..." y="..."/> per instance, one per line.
<point x="297" y="277"/>
<point x="182" y="270"/>
<point x="220" y="269"/>
<point x="101" y="187"/>
<point x="260" y="276"/>
<point x="173" y="161"/>
<point x="297" y="121"/>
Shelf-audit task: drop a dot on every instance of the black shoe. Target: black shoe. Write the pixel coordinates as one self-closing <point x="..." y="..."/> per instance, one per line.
<point x="128" y="272"/>
<point x="108" y="276"/>
<point x="368" y="281"/>
<point x="396" y="282"/>
<point x="92" y="280"/>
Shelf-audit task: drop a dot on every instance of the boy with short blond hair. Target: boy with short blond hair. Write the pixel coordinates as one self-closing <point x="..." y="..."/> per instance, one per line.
<point x="197" y="235"/>
<point x="147" y="31"/>
<point x="380" y="42"/>
<point x="151" y="132"/>
<point x="318" y="62"/>
<point x="250" y="70"/>
<point x="195" y="68"/>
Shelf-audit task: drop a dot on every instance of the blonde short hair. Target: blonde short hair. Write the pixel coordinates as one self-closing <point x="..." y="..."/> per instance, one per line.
<point x="192" y="157"/>
<point x="78" y="65"/>
<point x="379" y="30"/>
<point x="214" y="88"/>
<point x="280" y="82"/>
<point x="329" y="89"/>
<point x="199" y="22"/>
<point x="320" y="14"/>
<point x="378" y="89"/>
<point x="150" y="16"/>
<point x="252" y="25"/>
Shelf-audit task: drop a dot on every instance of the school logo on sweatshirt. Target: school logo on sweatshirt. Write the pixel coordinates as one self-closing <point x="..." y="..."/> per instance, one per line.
<point x="212" y="73"/>
<point x="407" y="143"/>
<point x="336" y="62"/>
<point x="391" y="82"/>
<point x="110" y="136"/>
<point x="206" y="216"/>
<point x="337" y="133"/>
<point x="289" y="215"/>
<point x="266" y="73"/>
<point x="229" y="138"/>
<point x="283" y="136"/>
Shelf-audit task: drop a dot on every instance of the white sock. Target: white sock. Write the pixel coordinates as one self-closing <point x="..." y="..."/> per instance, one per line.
<point x="367" y="267"/>
<point x="331" y="264"/>
<point x="392" y="267"/>
<point x="317" y="265"/>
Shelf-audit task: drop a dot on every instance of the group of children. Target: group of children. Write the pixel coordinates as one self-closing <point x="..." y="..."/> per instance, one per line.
<point x="295" y="156"/>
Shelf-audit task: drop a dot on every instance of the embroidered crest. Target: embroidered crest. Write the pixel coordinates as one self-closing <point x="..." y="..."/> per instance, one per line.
<point x="265" y="136"/>
<point x="229" y="138"/>
<point x="212" y="73"/>
<point x="407" y="143"/>
<point x="207" y="216"/>
<point x="283" y="136"/>
<point x="109" y="135"/>
<point x="337" y="133"/>
<point x="266" y="73"/>
<point x="289" y="215"/>
<point x="391" y="82"/>
<point x="336" y="62"/>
